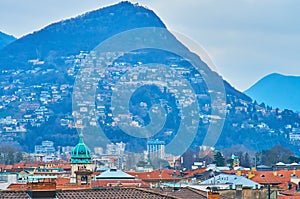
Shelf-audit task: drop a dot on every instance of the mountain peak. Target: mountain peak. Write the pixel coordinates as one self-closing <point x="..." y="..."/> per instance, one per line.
<point x="82" y="33"/>
<point x="275" y="75"/>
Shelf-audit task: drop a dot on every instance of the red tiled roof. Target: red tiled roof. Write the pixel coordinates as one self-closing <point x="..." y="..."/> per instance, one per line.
<point x="291" y="192"/>
<point x="156" y="175"/>
<point x="17" y="186"/>
<point x="96" y="173"/>
<point x="242" y="172"/>
<point x="288" y="197"/>
<point x="19" y="165"/>
<point x="34" y="164"/>
<point x="191" y="173"/>
<point x="23" y="165"/>
<point x="65" y="166"/>
<point x="62" y="181"/>
<point x="274" y="177"/>
<point x="64" y="184"/>
<point x="72" y="187"/>
<point x="8" y="167"/>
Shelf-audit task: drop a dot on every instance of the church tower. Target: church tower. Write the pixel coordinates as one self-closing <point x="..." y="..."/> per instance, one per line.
<point x="81" y="163"/>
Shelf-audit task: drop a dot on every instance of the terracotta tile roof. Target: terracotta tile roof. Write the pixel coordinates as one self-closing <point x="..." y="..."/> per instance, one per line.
<point x="274" y="177"/>
<point x="285" y="186"/>
<point x="73" y="187"/>
<point x="64" y="184"/>
<point x="19" y="165"/>
<point x="65" y="166"/>
<point x="121" y="193"/>
<point x="241" y="172"/>
<point x="96" y="173"/>
<point x="17" y="187"/>
<point x="288" y="197"/>
<point x="62" y="181"/>
<point x="23" y="165"/>
<point x="191" y="173"/>
<point x="14" y="195"/>
<point x="291" y="193"/>
<point x="33" y="164"/>
<point x="8" y="167"/>
<point x="164" y="175"/>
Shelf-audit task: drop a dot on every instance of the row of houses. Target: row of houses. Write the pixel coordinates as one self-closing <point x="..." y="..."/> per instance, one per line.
<point x="227" y="183"/>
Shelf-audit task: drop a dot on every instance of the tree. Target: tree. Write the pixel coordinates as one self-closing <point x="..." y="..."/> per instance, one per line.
<point x="219" y="159"/>
<point x="276" y="154"/>
<point x="240" y="154"/>
<point x="293" y="159"/>
<point x="263" y="105"/>
<point x="230" y="162"/>
<point x="10" y="155"/>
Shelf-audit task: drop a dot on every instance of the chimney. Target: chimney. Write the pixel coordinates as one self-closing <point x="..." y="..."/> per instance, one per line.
<point x="213" y="195"/>
<point x="239" y="191"/>
<point x="250" y="175"/>
<point x="275" y="173"/>
<point x="45" y="188"/>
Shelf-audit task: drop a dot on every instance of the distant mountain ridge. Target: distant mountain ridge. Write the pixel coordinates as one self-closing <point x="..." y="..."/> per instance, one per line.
<point x="277" y="90"/>
<point x="5" y="39"/>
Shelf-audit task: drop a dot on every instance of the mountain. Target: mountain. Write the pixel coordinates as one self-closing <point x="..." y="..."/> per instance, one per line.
<point x="38" y="72"/>
<point x="82" y="33"/>
<point x="278" y="91"/>
<point x="5" y="39"/>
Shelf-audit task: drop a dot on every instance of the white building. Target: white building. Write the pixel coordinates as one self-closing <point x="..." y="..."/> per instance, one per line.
<point x="156" y="149"/>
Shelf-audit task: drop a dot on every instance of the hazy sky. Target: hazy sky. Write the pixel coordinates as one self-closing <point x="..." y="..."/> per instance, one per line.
<point x="247" y="39"/>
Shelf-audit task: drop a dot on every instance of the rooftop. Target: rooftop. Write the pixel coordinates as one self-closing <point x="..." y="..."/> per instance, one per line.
<point x="231" y="180"/>
<point x="114" y="174"/>
<point x="81" y="153"/>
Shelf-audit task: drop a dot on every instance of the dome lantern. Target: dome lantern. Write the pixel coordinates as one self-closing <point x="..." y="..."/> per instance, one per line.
<point x="81" y="153"/>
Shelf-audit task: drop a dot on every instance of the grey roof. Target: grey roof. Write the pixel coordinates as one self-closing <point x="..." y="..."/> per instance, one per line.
<point x="114" y="174"/>
<point x="263" y="166"/>
<point x="224" y="179"/>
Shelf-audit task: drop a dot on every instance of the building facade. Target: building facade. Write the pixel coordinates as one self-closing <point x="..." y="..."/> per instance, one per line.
<point x="156" y="149"/>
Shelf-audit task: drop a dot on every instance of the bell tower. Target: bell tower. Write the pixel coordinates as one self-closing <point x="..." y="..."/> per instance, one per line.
<point x="81" y="163"/>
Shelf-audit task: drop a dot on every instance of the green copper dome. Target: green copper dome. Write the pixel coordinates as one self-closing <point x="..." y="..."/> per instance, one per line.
<point x="81" y="153"/>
